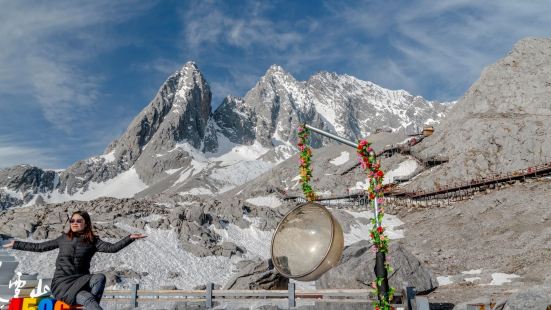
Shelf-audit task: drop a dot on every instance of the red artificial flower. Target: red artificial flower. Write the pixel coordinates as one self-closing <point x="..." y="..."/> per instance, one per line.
<point x="380" y="229"/>
<point x="372" y="236"/>
<point x="380" y="173"/>
<point x="371" y="196"/>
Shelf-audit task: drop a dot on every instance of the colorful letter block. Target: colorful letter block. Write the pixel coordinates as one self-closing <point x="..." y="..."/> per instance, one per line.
<point x="28" y="303"/>
<point x="46" y="304"/>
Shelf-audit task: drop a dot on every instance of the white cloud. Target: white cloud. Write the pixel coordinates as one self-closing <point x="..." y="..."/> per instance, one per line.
<point x="43" y="46"/>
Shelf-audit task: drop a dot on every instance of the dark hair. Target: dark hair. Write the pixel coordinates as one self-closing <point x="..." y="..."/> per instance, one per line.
<point x="88" y="232"/>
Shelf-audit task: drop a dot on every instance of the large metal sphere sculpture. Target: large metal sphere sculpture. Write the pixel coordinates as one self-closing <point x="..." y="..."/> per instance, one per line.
<point x="307" y="242"/>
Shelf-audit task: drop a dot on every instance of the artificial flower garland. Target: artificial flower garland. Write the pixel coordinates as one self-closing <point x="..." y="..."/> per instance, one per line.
<point x="372" y="167"/>
<point x="375" y="175"/>
<point x="305" y="159"/>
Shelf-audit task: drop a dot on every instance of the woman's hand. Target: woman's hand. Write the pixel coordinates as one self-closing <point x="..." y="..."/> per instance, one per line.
<point x="137" y="236"/>
<point x="9" y="244"/>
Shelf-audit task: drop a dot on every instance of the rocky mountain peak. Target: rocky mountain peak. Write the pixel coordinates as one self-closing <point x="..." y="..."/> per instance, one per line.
<point x="276" y="70"/>
<point x="184" y="95"/>
<point x="179" y="112"/>
<point x="190" y="65"/>
<point x="275" y="77"/>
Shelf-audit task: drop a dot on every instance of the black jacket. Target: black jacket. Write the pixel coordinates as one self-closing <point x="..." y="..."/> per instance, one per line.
<point x="72" y="267"/>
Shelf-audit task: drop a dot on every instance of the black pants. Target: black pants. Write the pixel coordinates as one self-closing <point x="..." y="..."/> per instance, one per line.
<point x="90" y="296"/>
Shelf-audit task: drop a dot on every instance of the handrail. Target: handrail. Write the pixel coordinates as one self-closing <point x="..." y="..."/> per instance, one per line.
<point x="135" y="295"/>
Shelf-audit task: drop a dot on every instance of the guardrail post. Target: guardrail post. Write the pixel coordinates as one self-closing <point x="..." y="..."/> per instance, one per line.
<point x="291" y="295"/>
<point x="210" y="287"/>
<point x="421" y="303"/>
<point x="408" y="296"/>
<point x="134" y="301"/>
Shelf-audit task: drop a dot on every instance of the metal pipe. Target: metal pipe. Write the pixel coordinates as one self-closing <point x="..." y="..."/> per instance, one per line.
<point x="376" y="213"/>
<point x="332" y="136"/>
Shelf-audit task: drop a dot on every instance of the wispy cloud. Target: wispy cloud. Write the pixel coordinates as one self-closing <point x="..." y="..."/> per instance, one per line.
<point x="43" y="46"/>
<point x="243" y="42"/>
<point x="444" y="45"/>
<point x="207" y="23"/>
<point x="13" y="152"/>
<point x="435" y="49"/>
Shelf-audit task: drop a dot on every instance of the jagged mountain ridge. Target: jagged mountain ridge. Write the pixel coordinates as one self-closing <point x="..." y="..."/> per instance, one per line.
<point x="176" y="144"/>
<point x="341" y="103"/>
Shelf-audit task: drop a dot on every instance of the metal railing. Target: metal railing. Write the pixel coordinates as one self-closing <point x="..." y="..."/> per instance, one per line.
<point x="135" y="296"/>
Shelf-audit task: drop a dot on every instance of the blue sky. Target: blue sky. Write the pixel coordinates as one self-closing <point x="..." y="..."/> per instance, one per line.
<point x="73" y="74"/>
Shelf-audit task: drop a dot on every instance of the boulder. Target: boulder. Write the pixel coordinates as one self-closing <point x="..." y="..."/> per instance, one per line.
<point x="195" y="213"/>
<point x="257" y="275"/>
<point x="114" y="276"/>
<point x="355" y="269"/>
<point x="532" y="298"/>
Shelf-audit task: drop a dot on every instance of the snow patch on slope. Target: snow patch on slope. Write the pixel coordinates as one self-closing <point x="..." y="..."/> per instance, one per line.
<point x="240" y="172"/>
<point x="137" y="256"/>
<point x="109" y="157"/>
<point x="256" y="241"/>
<point x="124" y="185"/>
<point x="341" y="159"/>
<point x="404" y="169"/>
<point x="271" y="201"/>
<point x="361" y="231"/>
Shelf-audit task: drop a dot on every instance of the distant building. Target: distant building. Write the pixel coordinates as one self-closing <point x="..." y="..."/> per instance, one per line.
<point x="378" y="130"/>
<point x="427" y="131"/>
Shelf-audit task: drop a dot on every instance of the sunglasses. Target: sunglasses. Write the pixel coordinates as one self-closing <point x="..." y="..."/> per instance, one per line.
<point x="78" y="221"/>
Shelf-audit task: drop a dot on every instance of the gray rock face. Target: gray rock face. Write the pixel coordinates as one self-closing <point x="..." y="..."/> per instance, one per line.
<point x="7" y="201"/>
<point x="502" y="123"/>
<point x="27" y="182"/>
<point x="179" y="112"/>
<point x="356" y="108"/>
<point x="532" y="298"/>
<point x="236" y="121"/>
<point x="47" y="222"/>
<point x="355" y="269"/>
<point x="280" y="104"/>
<point x="257" y="275"/>
<point x="114" y="276"/>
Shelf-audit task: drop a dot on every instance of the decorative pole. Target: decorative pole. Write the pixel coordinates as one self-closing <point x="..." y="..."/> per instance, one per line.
<point x="371" y="166"/>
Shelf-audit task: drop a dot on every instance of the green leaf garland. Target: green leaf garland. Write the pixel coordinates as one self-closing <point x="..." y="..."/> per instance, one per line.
<point x="305" y="160"/>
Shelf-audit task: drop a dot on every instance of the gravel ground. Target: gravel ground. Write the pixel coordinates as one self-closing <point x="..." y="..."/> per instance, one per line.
<point x="473" y="243"/>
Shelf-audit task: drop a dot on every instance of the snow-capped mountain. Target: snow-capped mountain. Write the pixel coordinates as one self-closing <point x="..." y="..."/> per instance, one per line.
<point x="271" y="111"/>
<point x="178" y="145"/>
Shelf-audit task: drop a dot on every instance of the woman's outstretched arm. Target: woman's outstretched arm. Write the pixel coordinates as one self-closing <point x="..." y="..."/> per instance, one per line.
<point x="107" y="247"/>
<point x="36" y="247"/>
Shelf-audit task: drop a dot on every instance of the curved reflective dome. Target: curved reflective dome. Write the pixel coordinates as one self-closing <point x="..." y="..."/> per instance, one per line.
<point x="303" y="239"/>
